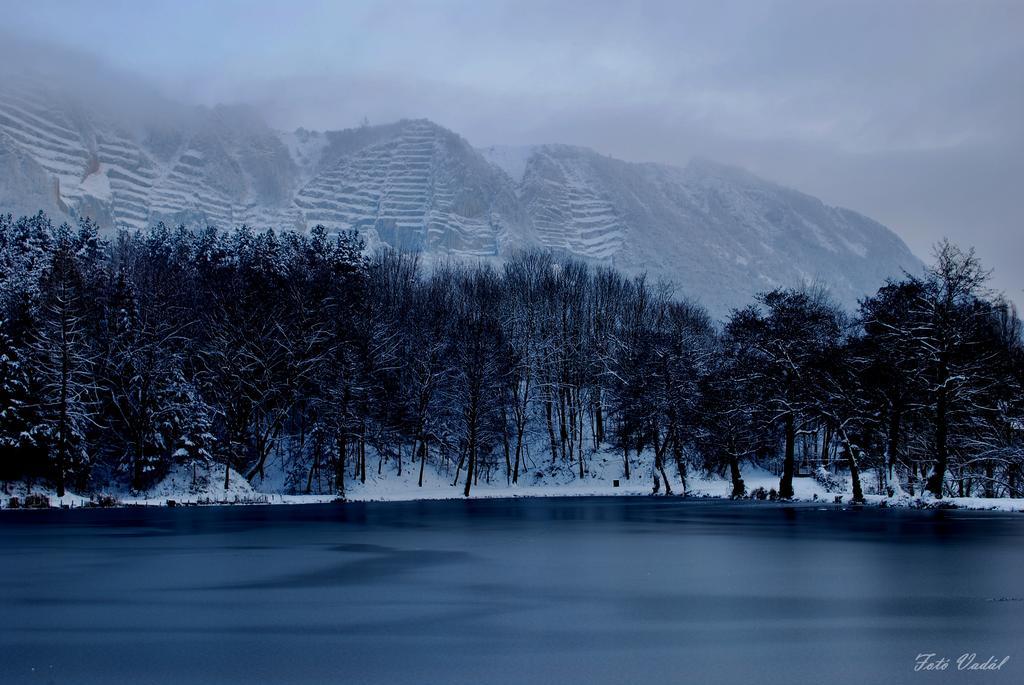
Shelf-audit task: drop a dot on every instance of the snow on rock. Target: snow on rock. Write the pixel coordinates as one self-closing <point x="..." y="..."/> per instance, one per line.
<point x="511" y="159"/>
<point x="422" y="188"/>
<point x="97" y="184"/>
<point x="720" y="233"/>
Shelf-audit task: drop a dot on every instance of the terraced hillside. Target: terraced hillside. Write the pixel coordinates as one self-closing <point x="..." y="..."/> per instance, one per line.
<point x="569" y="206"/>
<point x="422" y="189"/>
<point x="720" y="233"/>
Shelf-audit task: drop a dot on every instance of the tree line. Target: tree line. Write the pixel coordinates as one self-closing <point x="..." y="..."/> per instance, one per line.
<point x="122" y="357"/>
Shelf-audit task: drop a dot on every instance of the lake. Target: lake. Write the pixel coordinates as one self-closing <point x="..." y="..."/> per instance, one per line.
<point x="560" y="590"/>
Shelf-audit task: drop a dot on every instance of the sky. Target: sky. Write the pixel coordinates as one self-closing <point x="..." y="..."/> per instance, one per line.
<point x="909" y="112"/>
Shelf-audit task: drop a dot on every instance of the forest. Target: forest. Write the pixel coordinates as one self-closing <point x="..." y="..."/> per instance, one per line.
<point x="121" y="357"/>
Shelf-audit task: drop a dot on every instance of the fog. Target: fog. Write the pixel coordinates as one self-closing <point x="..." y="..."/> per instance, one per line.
<point x="910" y="112"/>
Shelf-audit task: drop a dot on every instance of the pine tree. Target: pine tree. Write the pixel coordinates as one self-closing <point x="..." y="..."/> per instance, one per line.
<point x="18" y="422"/>
<point x="62" y="361"/>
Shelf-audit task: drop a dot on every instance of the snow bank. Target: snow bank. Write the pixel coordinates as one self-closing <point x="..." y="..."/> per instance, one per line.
<point x="188" y="484"/>
<point x="21" y="490"/>
<point x="200" y="484"/>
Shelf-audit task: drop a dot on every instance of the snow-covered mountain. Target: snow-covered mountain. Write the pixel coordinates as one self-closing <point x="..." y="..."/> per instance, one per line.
<point x="718" y="232"/>
<point x="416" y="186"/>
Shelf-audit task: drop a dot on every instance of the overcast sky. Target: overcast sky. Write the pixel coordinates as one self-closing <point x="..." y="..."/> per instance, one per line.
<point x="910" y="112"/>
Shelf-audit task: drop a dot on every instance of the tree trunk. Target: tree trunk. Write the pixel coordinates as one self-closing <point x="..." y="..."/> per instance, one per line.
<point x="264" y="444"/>
<point x="61" y="459"/>
<point x="825" y="442"/>
<point x="563" y="432"/>
<point x="659" y="463"/>
<point x="681" y="467"/>
<point x="519" y="452"/>
<point x="579" y="436"/>
<point x="551" y="431"/>
<point x="62" y="430"/>
<point x="362" y="454"/>
<point x="664" y="476"/>
<point x="458" y="466"/>
<point x="738" y="487"/>
<point x="506" y="446"/>
<point x="893" y="446"/>
<point x="137" y="465"/>
<point x="786" y="484"/>
<point x="858" y="494"/>
<point x="851" y="460"/>
<point x="339" y="471"/>
<point x="938" y="475"/>
<point x="471" y="465"/>
<point x="423" y="458"/>
<point x="677" y="453"/>
<point x="313" y="468"/>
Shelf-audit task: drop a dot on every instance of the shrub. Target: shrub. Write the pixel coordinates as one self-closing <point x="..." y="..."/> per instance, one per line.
<point x="827" y="480"/>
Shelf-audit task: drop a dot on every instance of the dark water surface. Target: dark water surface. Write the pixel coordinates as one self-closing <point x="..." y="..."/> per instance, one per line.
<point x="581" y="590"/>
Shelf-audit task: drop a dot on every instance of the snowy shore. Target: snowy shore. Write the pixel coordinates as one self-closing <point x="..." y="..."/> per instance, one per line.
<point x="184" y="487"/>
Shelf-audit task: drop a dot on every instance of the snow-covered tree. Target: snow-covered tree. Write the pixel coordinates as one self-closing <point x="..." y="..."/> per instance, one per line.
<point x="64" y="357"/>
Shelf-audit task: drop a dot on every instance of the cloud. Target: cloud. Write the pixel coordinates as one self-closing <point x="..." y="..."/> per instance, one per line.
<point x="911" y="112"/>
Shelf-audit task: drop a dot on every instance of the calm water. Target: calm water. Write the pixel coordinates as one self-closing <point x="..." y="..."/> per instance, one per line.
<point x="586" y="590"/>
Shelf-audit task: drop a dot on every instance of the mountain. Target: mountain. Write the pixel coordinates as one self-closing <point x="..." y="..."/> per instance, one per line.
<point x="720" y="233"/>
<point x="417" y="186"/>
<point x="717" y="231"/>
